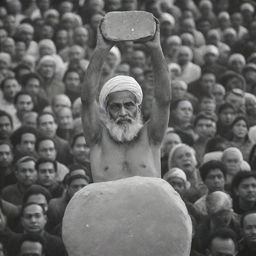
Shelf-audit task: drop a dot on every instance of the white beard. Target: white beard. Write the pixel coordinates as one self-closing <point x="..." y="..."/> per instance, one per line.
<point x="123" y="132"/>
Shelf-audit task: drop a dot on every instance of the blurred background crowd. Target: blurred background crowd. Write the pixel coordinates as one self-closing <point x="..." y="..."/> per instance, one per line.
<point x="209" y="151"/>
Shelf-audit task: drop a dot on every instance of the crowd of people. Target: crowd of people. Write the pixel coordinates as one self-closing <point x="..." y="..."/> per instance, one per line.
<point x="208" y="153"/>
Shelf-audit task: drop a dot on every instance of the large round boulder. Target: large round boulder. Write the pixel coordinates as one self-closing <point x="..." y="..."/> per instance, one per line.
<point x="136" y="216"/>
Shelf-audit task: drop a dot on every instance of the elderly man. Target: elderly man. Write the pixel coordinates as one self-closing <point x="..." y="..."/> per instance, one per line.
<point x="121" y="145"/>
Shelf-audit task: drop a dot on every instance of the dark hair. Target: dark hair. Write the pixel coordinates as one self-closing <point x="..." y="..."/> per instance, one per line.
<point x="239" y="118"/>
<point x="44" y="114"/>
<point x="70" y="70"/>
<point x="43" y="138"/>
<point x="213" y="144"/>
<point x="29" y="76"/>
<point x="43" y="160"/>
<point x="4" y="113"/>
<point x="20" y="93"/>
<point x="24" y="206"/>
<point x="69" y="178"/>
<point x="203" y="115"/>
<point x="176" y="103"/>
<point x="75" y="137"/>
<point x="222" y="233"/>
<point x="35" y="190"/>
<point x="31" y="238"/>
<point x="207" y="167"/>
<point x="6" y="79"/>
<point x="225" y="106"/>
<point x="17" y="134"/>
<point x="240" y="177"/>
<point x="244" y="216"/>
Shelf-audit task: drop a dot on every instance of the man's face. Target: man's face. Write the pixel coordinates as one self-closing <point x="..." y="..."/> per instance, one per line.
<point x="47" y="149"/>
<point x="235" y="100"/>
<point x="232" y="162"/>
<point x="47" y="69"/>
<point x="33" y="86"/>
<point x="178" y="90"/>
<point x="60" y="102"/>
<point x="29" y="119"/>
<point x="222" y="247"/>
<point x="6" y="156"/>
<point x="207" y="82"/>
<point x="139" y="59"/>
<point x="205" y="128"/>
<point x="215" y="180"/>
<point x="46" y="174"/>
<point x="26" y="173"/>
<point x="218" y="94"/>
<point x="75" y="186"/>
<point x="5" y="126"/>
<point x="170" y="140"/>
<point x="24" y="104"/>
<point x="208" y="105"/>
<point x="222" y="218"/>
<point x="249" y="229"/>
<point x="184" y="111"/>
<point x="27" y="37"/>
<point x="65" y="118"/>
<point x="183" y="57"/>
<point x="227" y="116"/>
<point x="246" y="190"/>
<point x="72" y="81"/>
<point x="80" y="151"/>
<point x="33" y="219"/>
<point x="47" y="125"/>
<point x="27" y="143"/>
<point x="20" y="50"/>
<point x="62" y="39"/>
<point x="10" y="89"/>
<point x="81" y="36"/>
<point x="9" y="46"/>
<point x="29" y="248"/>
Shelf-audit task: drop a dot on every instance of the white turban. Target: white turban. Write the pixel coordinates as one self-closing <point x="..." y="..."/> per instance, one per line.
<point x="119" y="84"/>
<point x="177" y="173"/>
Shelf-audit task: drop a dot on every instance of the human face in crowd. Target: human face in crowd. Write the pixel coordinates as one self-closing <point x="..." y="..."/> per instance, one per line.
<point x="218" y="93"/>
<point x="3" y="35"/>
<point x="59" y="102"/>
<point x="222" y="247"/>
<point x="75" y="186"/>
<point x="184" y="111"/>
<point x="47" y="125"/>
<point x="72" y="81"/>
<point x="113" y="5"/>
<point x="29" y="119"/>
<point x="183" y="57"/>
<point x="47" y="149"/>
<point x="223" y="217"/>
<point x="46" y="174"/>
<point x="24" y="104"/>
<point x="32" y="86"/>
<point x="170" y="140"/>
<point x="215" y="180"/>
<point x="250" y="78"/>
<point x="208" y="105"/>
<point x="9" y="46"/>
<point x="246" y="190"/>
<point x="139" y="59"/>
<point x="26" y="173"/>
<point x="205" y="128"/>
<point x="227" y="116"/>
<point x="27" y="143"/>
<point x="232" y="162"/>
<point x="80" y="150"/>
<point x="38" y="199"/>
<point x="65" y="118"/>
<point x="65" y="6"/>
<point x="20" y="50"/>
<point x="43" y="5"/>
<point x="184" y="159"/>
<point x="29" y="248"/>
<point x="10" y="88"/>
<point x="81" y="36"/>
<point x="27" y="37"/>
<point x="236" y="100"/>
<point x="207" y="82"/>
<point x="249" y="229"/>
<point x="61" y="40"/>
<point x="178" y="90"/>
<point x="6" y="156"/>
<point x="47" y="69"/>
<point x="178" y="185"/>
<point x="240" y="129"/>
<point x="33" y="219"/>
<point x="123" y="69"/>
<point x="5" y="126"/>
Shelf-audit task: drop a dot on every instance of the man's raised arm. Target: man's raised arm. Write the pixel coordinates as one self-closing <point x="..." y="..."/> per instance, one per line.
<point x="90" y="86"/>
<point x="162" y="87"/>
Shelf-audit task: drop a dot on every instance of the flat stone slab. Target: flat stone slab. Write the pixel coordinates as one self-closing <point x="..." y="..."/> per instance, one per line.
<point x="128" y="26"/>
<point x="136" y="216"/>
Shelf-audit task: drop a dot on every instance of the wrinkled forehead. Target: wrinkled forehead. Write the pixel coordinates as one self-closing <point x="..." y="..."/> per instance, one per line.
<point x="120" y="97"/>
